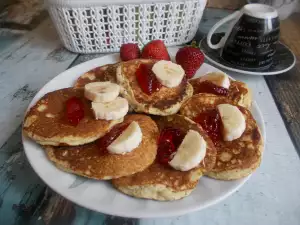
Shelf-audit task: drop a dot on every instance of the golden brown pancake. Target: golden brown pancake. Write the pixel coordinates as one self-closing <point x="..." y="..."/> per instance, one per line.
<point x="46" y="122"/>
<point x="239" y="93"/>
<point x="237" y="158"/>
<point x="166" y="101"/>
<point x="162" y="182"/>
<point x="102" y="73"/>
<point x="89" y="161"/>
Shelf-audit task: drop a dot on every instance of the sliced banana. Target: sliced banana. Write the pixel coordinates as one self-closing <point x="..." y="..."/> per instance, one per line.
<point x="169" y="74"/>
<point x="101" y="91"/>
<point x="234" y="123"/>
<point x="128" y="140"/>
<point x="217" y="78"/>
<point x="113" y="110"/>
<point x="190" y="153"/>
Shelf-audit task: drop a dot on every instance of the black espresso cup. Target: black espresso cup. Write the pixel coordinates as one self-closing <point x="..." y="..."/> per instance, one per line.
<point x="250" y="41"/>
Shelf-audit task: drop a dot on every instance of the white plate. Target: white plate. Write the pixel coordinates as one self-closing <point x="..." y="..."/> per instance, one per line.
<point x="100" y="195"/>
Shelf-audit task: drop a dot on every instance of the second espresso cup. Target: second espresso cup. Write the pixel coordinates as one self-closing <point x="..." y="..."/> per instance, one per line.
<point x="250" y="41"/>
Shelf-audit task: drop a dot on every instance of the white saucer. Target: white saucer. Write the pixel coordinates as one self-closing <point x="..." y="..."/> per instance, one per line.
<point x="100" y="196"/>
<point x="283" y="60"/>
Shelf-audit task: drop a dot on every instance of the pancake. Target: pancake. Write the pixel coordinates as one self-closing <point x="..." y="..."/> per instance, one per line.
<point x="162" y="182"/>
<point x="239" y="93"/>
<point x="101" y="73"/>
<point x="164" y="102"/>
<point x="88" y="160"/>
<point x="46" y="123"/>
<point x="237" y="158"/>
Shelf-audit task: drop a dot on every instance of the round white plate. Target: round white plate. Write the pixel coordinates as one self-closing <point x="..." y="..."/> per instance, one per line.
<point x="100" y="195"/>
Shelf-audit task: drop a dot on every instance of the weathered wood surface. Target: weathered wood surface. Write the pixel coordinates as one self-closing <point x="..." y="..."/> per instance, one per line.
<point x="24" y="199"/>
<point x="286" y="87"/>
<point x="26" y="65"/>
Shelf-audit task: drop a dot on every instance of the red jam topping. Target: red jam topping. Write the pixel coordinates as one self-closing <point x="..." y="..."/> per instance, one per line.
<point x="147" y="79"/>
<point x="74" y="110"/>
<point x="108" y="138"/>
<point x="211" y="122"/>
<point x="209" y="87"/>
<point x="168" y="142"/>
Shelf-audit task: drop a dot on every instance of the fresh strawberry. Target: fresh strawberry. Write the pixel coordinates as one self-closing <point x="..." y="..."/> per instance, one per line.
<point x="190" y="58"/>
<point x="129" y="51"/>
<point x="155" y="49"/>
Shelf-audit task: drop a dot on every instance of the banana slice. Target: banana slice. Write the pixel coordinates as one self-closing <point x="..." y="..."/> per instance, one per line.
<point x="113" y="110"/>
<point x="169" y="74"/>
<point x="130" y="139"/>
<point x="190" y="153"/>
<point x="217" y="78"/>
<point x="101" y="91"/>
<point x="234" y="123"/>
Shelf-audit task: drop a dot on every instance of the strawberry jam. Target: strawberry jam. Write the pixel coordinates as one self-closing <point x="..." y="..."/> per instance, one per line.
<point x="168" y="142"/>
<point x="108" y="138"/>
<point x="209" y="87"/>
<point x="210" y="121"/>
<point x="147" y="79"/>
<point x="74" y="110"/>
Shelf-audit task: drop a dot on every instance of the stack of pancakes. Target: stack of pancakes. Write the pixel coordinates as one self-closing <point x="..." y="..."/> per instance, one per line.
<point x="138" y="173"/>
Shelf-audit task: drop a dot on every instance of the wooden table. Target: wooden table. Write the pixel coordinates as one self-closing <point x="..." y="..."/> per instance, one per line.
<point x="29" y="58"/>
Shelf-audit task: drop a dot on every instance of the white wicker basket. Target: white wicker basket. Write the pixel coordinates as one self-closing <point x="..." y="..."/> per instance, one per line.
<point x="93" y="26"/>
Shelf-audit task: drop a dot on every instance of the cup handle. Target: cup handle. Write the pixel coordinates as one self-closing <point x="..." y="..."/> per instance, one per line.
<point x="216" y="26"/>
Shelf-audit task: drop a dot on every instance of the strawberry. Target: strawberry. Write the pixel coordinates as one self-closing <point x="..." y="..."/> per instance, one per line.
<point x="155" y="49"/>
<point x="190" y="58"/>
<point x="74" y="110"/>
<point x="147" y="79"/>
<point x="129" y="51"/>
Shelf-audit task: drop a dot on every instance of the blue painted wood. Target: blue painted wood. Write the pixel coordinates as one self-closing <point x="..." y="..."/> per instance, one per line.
<point x="8" y="37"/>
<point x="24" y="199"/>
<point x="21" y="190"/>
<point x="210" y="17"/>
<point x="25" y="66"/>
<point x="19" y="185"/>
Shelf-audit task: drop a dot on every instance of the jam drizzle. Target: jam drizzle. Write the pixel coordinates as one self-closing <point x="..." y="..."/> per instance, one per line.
<point x="168" y="142"/>
<point x="74" y="110"/>
<point x="147" y="79"/>
<point x="108" y="138"/>
<point x="209" y="87"/>
<point x="211" y="122"/>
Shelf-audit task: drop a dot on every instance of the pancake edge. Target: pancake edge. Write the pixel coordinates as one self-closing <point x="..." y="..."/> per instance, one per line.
<point x="68" y="140"/>
<point x="158" y="192"/>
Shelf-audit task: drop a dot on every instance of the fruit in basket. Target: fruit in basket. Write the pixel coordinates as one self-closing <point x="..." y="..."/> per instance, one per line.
<point x="190" y="58"/>
<point x="129" y="51"/>
<point x="155" y="49"/>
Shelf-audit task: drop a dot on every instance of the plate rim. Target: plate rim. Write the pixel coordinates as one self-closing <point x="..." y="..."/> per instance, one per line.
<point x="90" y="65"/>
<point x="257" y="73"/>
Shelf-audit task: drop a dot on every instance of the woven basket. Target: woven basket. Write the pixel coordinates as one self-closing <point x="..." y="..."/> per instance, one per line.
<point x="95" y="26"/>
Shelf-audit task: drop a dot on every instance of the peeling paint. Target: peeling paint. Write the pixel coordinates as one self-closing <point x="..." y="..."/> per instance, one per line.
<point x="115" y="220"/>
<point x="24" y="93"/>
<point x="60" y="55"/>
